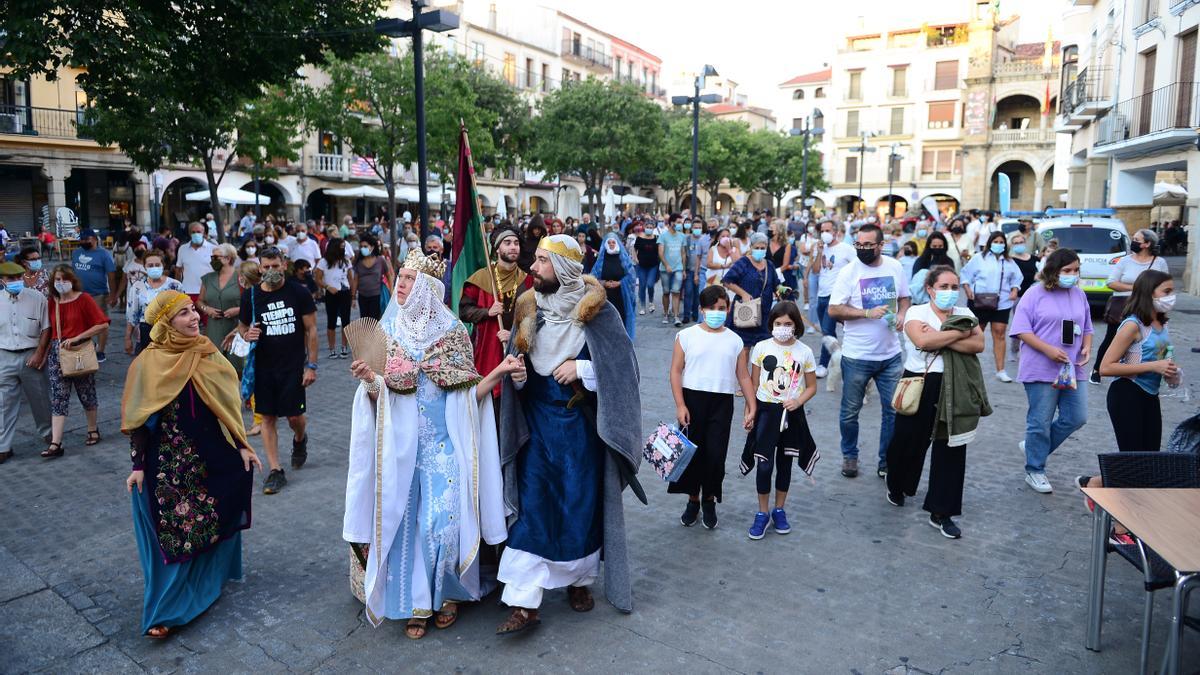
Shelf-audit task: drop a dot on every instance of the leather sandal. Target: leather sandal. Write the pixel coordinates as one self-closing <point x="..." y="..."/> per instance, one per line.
<point x="93" y="437"/>
<point x="53" y="450"/>
<point x="520" y="619"/>
<point x="415" y="629"/>
<point x="580" y="598"/>
<point x="446" y="616"/>
<point x="158" y="632"/>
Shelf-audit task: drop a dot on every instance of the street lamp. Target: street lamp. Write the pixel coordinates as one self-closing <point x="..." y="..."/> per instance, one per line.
<point x="807" y="131"/>
<point x="863" y="148"/>
<point x="892" y="157"/>
<point x="438" y="21"/>
<point x="695" y="101"/>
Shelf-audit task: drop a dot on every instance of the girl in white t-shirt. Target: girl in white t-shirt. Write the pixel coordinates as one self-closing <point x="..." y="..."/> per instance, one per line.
<point x="785" y="371"/>
<point x="706" y="369"/>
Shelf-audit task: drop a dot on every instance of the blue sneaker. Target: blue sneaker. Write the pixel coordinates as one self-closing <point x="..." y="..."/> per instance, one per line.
<point x="779" y="522"/>
<point x="759" y="528"/>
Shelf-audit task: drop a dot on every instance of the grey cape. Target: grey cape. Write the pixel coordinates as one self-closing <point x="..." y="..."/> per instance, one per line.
<point x="618" y="418"/>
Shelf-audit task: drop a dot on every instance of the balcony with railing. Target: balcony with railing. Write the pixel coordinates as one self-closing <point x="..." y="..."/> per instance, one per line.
<point x="588" y="56"/>
<point x="1021" y="136"/>
<point x="1024" y="68"/>
<point x="44" y="122"/>
<point x="1165" y="117"/>
<point x="1087" y="95"/>
<point x="327" y="165"/>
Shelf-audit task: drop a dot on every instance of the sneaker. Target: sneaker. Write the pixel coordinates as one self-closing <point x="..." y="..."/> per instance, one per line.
<point x="1039" y="483"/>
<point x="332" y="355"/>
<point x="849" y="468"/>
<point x="299" y="452"/>
<point x="100" y="358"/>
<point x="895" y="498"/>
<point x="1121" y="539"/>
<point x="650" y="308"/>
<point x="708" y="518"/>
<point x="881" y="470"/>
<point x="642" y="312"/>
<point x="946" y="525"/>
<point x="1094" y="378"/>
<point x="666" y="319"/>
<point x="759" y="527"/>
<point x="1021" y="445"/>
<point x="1002" y="375"/>
<point x="822" y="372"/>
<point x="678" y="322"/>
<point x="345" y="354"/>
<point x="690" y="512"/>
<point x="275" y="482"/>
<point x="779" y="522"/>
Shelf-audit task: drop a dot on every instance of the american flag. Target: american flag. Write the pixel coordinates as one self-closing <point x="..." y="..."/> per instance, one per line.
<point x="363" y="167"/>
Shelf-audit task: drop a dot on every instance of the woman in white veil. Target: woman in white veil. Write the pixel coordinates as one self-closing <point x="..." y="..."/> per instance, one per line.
<point x="423" y="487"/>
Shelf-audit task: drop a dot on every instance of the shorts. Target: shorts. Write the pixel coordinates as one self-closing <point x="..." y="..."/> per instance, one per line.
<point x="672" y="282"/>
<point x="279" y="392"/>
<point x="987" y="316"/>
<point x="101" y="301"/>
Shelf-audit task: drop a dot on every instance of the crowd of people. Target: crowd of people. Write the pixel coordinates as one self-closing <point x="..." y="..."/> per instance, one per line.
<point x="512" y="419"/>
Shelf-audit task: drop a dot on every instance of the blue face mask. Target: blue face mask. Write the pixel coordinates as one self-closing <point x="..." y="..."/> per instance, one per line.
<point x="1068" y="280"/>
<point x="714" y="318"/>
<point x="154" y="272"/>
<point x="791" y="240"/>
<point x="696" y="231"/>
<point x="366" y="251"/>
<point x="758" y="254"/>
<point x="14" y="287"/>
<point x="922" y="233"/>
<point x="1019" y="248"/>
<point x="35" y="265"/>
<point x="945" y="299"/>
<point x="679" y="227"/>
<point x="998" y="249"/>
<point x="197" y="238"/>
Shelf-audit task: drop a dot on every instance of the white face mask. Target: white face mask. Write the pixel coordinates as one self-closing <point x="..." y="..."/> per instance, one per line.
<point x="827" y="237"/>
<point x="63" y="287"/>
<point x="1165" y="304"/>
<point x="269" y="240"/>
<point x="783" y="333"/>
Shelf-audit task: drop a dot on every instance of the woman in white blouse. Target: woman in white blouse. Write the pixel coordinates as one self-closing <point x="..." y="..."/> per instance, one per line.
<point x="992" y="283"/>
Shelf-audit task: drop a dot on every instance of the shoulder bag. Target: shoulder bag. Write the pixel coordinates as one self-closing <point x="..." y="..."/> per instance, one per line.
<point x="907" y="398"/>
<point x="990" y="302"/>
<point x="1114" y="309"/>
<point x="74" y="362"/>
<point x="748" y="313"/>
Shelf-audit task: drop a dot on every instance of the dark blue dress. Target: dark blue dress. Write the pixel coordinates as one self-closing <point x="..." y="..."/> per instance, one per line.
<point x="559" y="475"/>
<point x="757" y="283"/>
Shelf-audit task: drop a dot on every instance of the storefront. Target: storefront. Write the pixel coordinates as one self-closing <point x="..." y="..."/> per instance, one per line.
<point x="101" y="199"/>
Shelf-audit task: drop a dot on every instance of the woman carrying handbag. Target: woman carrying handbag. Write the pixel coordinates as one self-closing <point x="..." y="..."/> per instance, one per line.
<point x="753" y="281"/>
<point x="906" y="452"/>
<point x="71" y="362"/>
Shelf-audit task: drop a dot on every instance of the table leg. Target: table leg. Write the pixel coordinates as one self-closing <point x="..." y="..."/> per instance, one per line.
<point x="1182" y="588"/>
<point x="1101" y="522"/>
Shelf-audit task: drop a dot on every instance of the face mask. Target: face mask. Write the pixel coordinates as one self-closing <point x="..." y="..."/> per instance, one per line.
<point x="762" y="221"/>
<point x="922" y="233"/>
<point x="365" y="251"/>
<point x="827" y="237"/>
<point x="867" y="255"/>
<point x="758" y="254"/>
<point x="696" y="231"/>
<point x="1164" y="304"/>
<point x="301" y="236"/>
<point x="217" y="264"/>
<point x="679" y="227"/>
<point x="957" y="230"/>
<point x="998" y="249"/>
<point x="154" y="272"/>
<point x="791" y="240"/>
<point x="812" y="230"/>
<point x="251" y="250"/>
<point x="197" y="238"/>
<point x="936" y="252"/>
<point x="783" y="333"/>
<point x="1136" y="247"/>
<point x="725" y="241"/>
<point x="63" y="287"/>
<point x="272" y="277"/>
<point x="1019" y="248"/>
<point x="35" y="265"/>
<point x="89" y="245"/>
<point x="269" y="240"/>
<point x="714" y="318"/>
<point x="211" y="223"/>
<point x="15" y="287"/>
<point x="1068" y="280"/>
<point x="945" y="299"/>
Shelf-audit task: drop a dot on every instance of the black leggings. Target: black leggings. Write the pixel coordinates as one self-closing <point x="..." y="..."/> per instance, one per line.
<point x="337" y="306"/>
<point x="1136" y="416"/>
<point x="1109" y="334"/>
<point x="783" y="473"/>
<point x="906" y="455"/>
<point x="368" y="306"/>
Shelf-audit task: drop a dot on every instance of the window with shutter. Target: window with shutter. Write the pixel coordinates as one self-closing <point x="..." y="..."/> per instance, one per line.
<point x="897" y="125"/>
<point x="851" y="123"/>
<point x="941" y="114"/>
<point x="945" y="75"/>
<point x="851" y="169"/>
<point x="900" y="81"/>
<point x="927" y="162"/>
<point x="855" y="90"/>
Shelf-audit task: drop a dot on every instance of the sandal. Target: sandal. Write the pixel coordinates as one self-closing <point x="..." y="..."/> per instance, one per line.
<point x="158" y="632"/>
<point x="519" y="620"/>
<point x="446" y="616"/>
<point x="254" y="430"/>
<point x="415" y="629"/>
<point x="580" y="598"/>
<point x="93" y="437"/>
<point x="53" y="450"/>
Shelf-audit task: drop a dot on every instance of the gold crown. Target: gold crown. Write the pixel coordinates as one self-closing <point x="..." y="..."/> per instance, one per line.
<point x="557" y="247"/>
<point x="432" y="265"/>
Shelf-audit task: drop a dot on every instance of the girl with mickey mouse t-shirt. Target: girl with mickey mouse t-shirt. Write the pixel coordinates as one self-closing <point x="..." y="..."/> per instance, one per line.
<point x="785" y="371"/>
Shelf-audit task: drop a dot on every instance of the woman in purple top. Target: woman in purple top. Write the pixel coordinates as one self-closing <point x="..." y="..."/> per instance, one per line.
<point x="1054" y="325"/>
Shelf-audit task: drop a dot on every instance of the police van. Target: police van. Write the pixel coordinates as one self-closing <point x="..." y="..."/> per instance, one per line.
<point x="1099" y="239"/>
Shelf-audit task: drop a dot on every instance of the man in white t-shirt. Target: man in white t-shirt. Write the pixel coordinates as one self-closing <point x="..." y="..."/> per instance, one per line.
<point x="194" y="260"/>
<point x="870" y="297"/>
<point x="303" y="247"/>
<point x="830" y="254"/>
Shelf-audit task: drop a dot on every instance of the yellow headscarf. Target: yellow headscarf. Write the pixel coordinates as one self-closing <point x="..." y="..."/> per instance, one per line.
<point x="171" y="359"/>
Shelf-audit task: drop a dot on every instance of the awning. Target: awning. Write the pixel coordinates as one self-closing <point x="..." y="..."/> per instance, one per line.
<point x="1169" y="191"/>
<point x="404" y="193"/>
<point x="633" y="199"/>
<point x="229" y="196"/>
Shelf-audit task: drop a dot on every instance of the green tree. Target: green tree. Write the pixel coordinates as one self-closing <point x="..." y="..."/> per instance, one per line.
<point x="591" y="129"/>
<point x="673" y="156"/>
<point x="169" y="81"/>
<point x="774" y="163"/>
<point x="724" y="144"/>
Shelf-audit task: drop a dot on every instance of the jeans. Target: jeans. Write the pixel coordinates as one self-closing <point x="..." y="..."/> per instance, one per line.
<point x="856" y="374"/>
<point x="691" y="298"/>
<point x="828" y="327"/>
<point x="647" y="277"/>
<point x="1043" y="432"/>
<point x="813" y="299"/>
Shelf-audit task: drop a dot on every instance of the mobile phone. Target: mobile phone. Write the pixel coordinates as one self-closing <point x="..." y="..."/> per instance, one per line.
<point x="1068" y="332"/>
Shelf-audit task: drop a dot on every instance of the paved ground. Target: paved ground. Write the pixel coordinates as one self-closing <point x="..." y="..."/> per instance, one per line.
<point x="858" y="587"/>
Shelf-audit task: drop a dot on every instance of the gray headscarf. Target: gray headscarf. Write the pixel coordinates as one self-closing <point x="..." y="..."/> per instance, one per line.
<point x="560" y="338"/>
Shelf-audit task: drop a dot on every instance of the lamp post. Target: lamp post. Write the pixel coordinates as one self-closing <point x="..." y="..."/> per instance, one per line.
<point x="862" y="149"/>
<point x="438" y="21"/>
<point x="892" y="157"/>
<point x="695" y="101"/>
<point x="806" y="131"/>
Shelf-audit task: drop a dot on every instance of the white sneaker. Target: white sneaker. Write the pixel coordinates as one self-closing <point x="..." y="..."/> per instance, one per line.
<point x="666" y="319"/>
<point x="1021" y="445"/>
<point x="1038" y="482"/>
<point x="822" y="371"/>
<point x="1002" y="375"/>
<point x="642" y="312"/>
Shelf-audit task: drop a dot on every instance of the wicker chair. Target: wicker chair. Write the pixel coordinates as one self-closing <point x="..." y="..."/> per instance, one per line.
<point x="1149" y="470"/>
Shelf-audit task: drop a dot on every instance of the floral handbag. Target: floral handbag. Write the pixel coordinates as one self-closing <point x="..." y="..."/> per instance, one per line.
<point x="669" y="451"/>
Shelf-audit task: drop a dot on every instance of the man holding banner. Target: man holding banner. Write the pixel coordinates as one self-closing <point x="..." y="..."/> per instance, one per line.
<point x="488" y="298"/>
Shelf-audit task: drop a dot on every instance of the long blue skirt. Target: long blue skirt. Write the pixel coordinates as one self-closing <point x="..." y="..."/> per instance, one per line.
<point x="176" y="593"/>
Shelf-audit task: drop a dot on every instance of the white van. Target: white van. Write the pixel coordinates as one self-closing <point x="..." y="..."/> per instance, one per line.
<point x="1099" y="239"/>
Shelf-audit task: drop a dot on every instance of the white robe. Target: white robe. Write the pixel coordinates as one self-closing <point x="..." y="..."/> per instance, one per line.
<point x="383" y="451"/>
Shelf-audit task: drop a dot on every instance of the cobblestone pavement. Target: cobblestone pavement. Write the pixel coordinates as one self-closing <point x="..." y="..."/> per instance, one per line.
<point x="858" y="587"/>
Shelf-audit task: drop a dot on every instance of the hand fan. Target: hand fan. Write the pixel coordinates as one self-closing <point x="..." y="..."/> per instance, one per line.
<point x="368" y="342"/>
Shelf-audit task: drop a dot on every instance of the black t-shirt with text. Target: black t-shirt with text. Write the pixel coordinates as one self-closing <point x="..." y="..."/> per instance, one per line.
<point x="279" y="314"/>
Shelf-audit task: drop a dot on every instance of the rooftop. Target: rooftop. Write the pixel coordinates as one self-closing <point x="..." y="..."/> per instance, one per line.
<point x="810" y="78"/>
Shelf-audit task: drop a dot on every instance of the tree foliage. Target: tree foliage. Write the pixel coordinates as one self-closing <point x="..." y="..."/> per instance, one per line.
<point x="591" y="129"/>
<point x="170" y="81"/>
<point x="774" y="163"/>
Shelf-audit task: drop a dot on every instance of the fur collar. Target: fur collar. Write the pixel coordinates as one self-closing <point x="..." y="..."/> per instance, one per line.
<point x="525" y="316"/>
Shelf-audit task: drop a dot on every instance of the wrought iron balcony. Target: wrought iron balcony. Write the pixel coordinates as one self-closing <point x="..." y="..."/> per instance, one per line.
<point x="586" y="55"/>
<point x="45" y="122"/>
<point x="1173" y="108"/>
